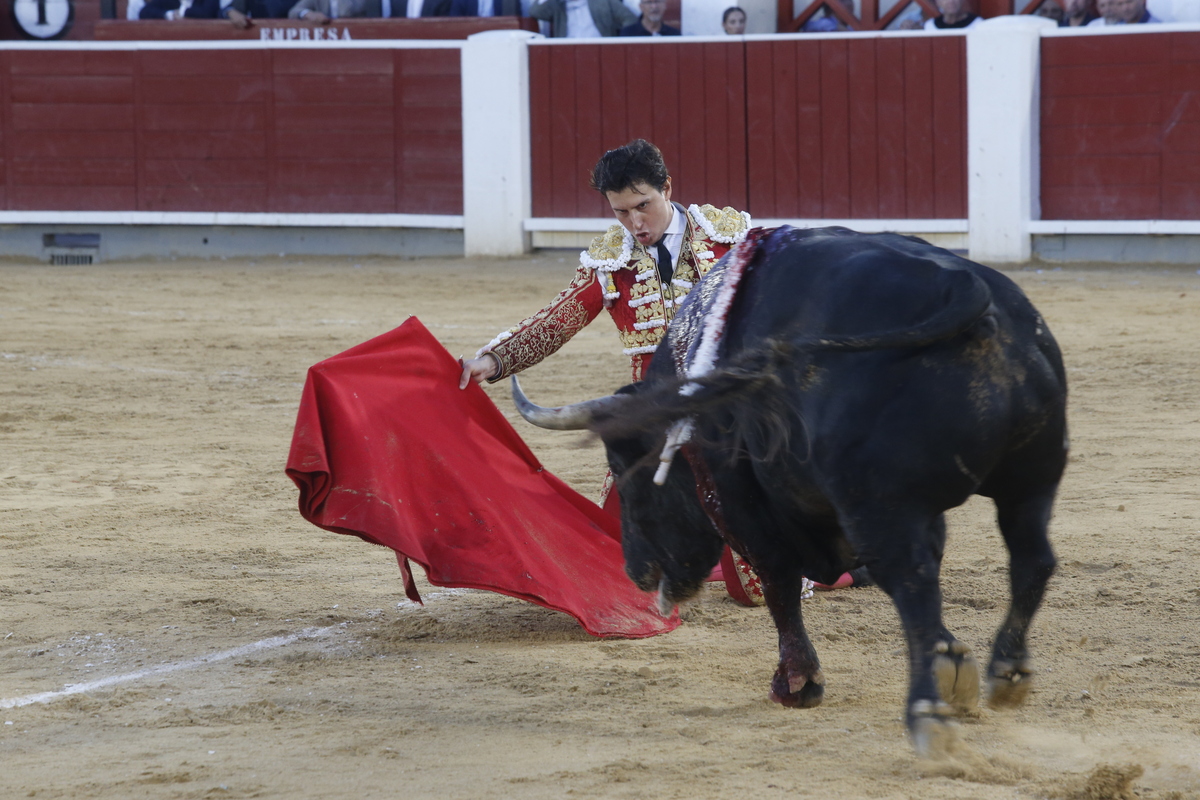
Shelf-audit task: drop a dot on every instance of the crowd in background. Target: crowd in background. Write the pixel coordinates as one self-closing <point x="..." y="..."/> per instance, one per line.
<point x="598" y="18"/>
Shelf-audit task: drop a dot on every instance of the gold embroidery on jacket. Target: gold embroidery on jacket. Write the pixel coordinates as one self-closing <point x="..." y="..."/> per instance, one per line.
<point x="530" y="346"/>
<point x="545" y="332"/>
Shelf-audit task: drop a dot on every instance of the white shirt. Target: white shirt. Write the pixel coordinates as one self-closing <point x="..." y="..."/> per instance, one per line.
<point x="414" y="8"/>
<point x="673" y="236"/>
<point x="580" y="24"/>
<point x="487" y="8"/>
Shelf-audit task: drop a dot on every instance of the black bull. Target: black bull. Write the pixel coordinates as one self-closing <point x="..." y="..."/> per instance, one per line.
<point x="865" y="384"/>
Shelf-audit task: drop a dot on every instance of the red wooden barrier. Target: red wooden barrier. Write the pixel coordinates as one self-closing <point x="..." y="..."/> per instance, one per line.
<point x="869" y="128"/>
<point x="296" y="30"/>
<point x="311" y="130"/>
<point x="686" y="98"/>
<point x="1120" y="132"/>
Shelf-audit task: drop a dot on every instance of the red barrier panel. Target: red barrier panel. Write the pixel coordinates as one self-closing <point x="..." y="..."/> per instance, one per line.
<point x="296" y="30"/>
<point x="871" y="128"/>
<point x="1120" y="132"/>
<point x="685" y="97"/>
<point x="306" y="130"/>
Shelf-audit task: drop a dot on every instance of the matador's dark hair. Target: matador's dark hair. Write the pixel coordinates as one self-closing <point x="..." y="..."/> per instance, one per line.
<point x="730" y="10"/>
<point x="627" y="166"/>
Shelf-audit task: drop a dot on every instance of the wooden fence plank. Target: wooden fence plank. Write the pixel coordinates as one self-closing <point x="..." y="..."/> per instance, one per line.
<point x="889" y="93"/>
<point x="918" y="133"/>
<point x="835" y="129"/>
<point x="864" y="131"/>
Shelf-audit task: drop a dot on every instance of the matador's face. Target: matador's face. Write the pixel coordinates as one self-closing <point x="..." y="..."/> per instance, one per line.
<point x="643" y="210"/>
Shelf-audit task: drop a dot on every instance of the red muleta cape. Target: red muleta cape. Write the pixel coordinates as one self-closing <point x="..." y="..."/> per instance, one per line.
<point x="388" y="448"/>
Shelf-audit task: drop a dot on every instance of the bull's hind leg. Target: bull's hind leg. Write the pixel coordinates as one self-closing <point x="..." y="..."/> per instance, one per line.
<point x="955" y="670"/>
<point x="798" y="682"/>
<point x="904" y="557"/>
<point x="956" y="673"/>
<point x="1023" y="522"/>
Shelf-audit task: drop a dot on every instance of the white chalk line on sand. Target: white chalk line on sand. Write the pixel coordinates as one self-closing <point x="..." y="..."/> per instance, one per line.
<point x="163" y="669"/>
<point x="192" y="663"/>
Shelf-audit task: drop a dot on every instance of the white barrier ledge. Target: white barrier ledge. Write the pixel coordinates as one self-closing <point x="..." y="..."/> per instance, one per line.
<point x="872" y="225"/>
<point x="601" y="224"/>
<point x="447" y="221"/>
<point x="1117" y="227"/>
<point x="241" y="44"/>
<point x="598" y="224"/>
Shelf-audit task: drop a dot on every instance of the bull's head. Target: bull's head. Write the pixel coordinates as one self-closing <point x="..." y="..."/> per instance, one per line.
<point x="669" y="543"/>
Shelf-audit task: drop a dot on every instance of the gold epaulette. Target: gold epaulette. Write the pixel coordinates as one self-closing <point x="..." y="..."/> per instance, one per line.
<point x="610" y="251"/>
<point x="726" y="225"/>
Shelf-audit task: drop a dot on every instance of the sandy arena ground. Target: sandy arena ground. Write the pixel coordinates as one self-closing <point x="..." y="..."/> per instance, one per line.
<point x="145" y="522"/>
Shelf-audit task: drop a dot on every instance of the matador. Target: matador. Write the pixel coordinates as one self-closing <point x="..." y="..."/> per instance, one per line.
<point x="640" y="270"/>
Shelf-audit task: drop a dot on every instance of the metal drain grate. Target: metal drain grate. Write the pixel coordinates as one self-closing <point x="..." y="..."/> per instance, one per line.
<point x="71" y="249"/>
<point x="71" y="259"/>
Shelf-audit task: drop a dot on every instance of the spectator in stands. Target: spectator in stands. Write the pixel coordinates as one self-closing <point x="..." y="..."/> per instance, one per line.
<point x="828" y="21"/>
<point x="319" y="12"/>
<point x="1123" y="12"/>
<point x="240" y="12"/>
<point x="954" y="14"/>
<point x="650" y="23"/>
<point x="1050" y="10"/>
<point x="180" y="9"/>
<point x="734" y="21"/>
<point x="420" y="8"/>
<point x="581" y="19"/>
<point x="485" y="8"/>
<point x="1077" y="13"/>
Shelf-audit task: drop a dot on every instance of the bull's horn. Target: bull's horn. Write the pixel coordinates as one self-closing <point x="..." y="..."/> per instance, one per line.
<point x="575" y="417"/>
<point x="665" y="606"/>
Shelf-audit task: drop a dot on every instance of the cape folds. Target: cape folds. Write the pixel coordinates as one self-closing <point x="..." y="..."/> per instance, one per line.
<point x="386" y="447"/>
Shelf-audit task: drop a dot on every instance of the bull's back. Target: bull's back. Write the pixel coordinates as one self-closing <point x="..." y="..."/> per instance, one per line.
<point x="935" y="417"/>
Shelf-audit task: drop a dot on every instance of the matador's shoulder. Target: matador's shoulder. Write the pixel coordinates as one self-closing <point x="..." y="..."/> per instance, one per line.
<point x="726" y="225"/>
<point x="608" y="252"/>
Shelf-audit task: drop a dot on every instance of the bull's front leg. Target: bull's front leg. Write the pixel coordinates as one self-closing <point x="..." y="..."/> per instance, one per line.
<point x="798" y="682"/>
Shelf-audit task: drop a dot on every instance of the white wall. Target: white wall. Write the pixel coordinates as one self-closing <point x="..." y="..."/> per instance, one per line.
<point x="703" y="17"/>
<point x="497" y="182"/>
<point x="1002" y="136"/>
<point x="1175" y="10"/>
<point x="760" y="15"/>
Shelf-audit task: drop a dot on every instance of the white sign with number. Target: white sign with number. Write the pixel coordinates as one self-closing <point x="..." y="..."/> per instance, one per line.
<point x="43" y="19"/>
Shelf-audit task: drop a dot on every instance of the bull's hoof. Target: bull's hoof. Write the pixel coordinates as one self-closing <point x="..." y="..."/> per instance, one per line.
<point x="956" y="673"/>
<point x="798" y="692"/>
<point x="1009" y="684"/>
<point x="933" y="735"/>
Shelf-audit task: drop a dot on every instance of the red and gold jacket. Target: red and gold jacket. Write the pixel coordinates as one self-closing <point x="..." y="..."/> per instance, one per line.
<point x="616" y="272"/>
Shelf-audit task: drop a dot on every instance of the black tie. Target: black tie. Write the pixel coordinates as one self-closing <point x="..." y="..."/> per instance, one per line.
<point x="665" y="268"/>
